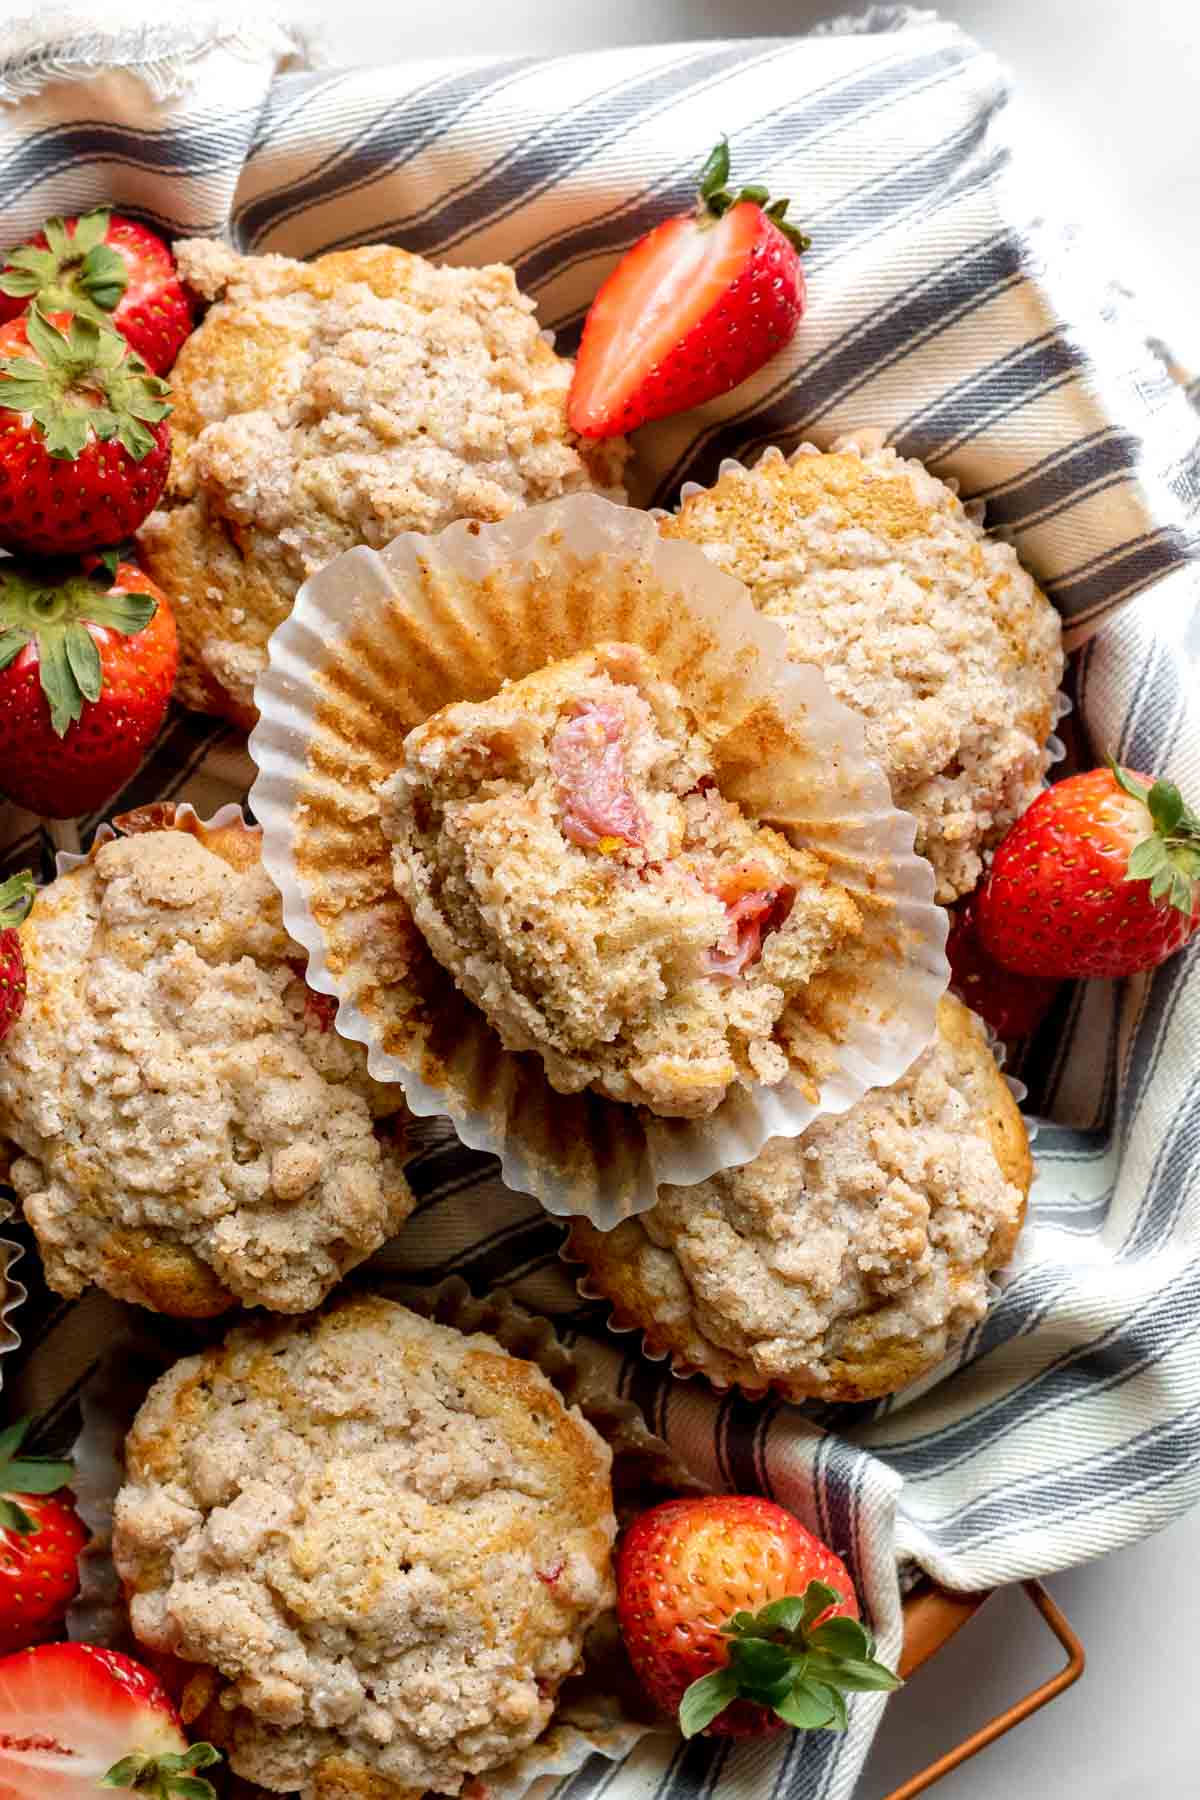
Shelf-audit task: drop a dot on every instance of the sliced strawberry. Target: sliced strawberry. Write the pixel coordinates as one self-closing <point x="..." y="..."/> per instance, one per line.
<point x="753" y="907"/>
<point x="587" y="755"/>
<point x="106" y="268"/>
<point x="692" y="310"/>
<point x="75" y="1719"/>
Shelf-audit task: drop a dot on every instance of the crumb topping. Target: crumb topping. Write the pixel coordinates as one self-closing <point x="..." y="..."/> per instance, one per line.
<point x="189" y="1128"/>
<point x="387" y="1538"/>
<point x="930" y="629"/>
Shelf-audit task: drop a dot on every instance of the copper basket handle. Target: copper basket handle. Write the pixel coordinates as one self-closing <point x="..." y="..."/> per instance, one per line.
<point x="1017" y="1713"/>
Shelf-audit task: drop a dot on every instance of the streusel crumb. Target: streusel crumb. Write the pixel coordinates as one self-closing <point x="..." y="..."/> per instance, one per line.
<point x="190" y="1128"/>
<point x="925" y="625"/>
<point x="387" y="1538"/>
<point x="340" y="402"/>
<point x="846" y="1262"/>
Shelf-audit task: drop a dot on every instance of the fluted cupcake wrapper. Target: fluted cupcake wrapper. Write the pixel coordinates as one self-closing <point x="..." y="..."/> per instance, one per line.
<point x="379" y="641"/>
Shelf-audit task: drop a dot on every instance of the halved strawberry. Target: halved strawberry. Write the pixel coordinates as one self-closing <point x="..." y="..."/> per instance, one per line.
<point x="75" y="1719"/>
<point x="692" y="310"/>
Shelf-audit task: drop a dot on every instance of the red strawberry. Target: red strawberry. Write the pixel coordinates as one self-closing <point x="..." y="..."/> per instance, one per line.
<point x="695" y="307"/>
<point x="75" y="1719"/>
<point x="84" y="444"/>
<point x="1013" y="1005"/>
<point x="16" y="898"/>
<point x="40" y="1541"/>
<point x="108" y="269"/>
<point x="1100" y="877"/>
<point x="87" y="663"/>
<point x="688" y="1573"/>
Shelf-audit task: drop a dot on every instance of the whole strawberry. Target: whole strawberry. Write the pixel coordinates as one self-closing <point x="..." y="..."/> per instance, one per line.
<point x="108" y="269"/>
<point x="1100" y="877"/>
<point x="16" y="898"/>
<point x="40" y="1540"/>
<point x="1013" y="1005"/>
<point x="689" y="1573"/>
<point x="695" y="307"/>
<point x="87" y="664"/>
<point x="100" y="1721"/>
<point x="84" y="444"/>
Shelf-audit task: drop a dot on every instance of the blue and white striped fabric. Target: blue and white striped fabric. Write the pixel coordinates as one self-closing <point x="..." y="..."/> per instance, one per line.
<point x="1070" y="1423"/>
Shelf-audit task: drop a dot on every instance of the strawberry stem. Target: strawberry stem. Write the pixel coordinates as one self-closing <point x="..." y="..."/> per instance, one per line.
<point x="171" y="1776"/>
<point x="715" y="198"/>
<point x="798" y="1658"/>
<point x="1169" y="859"/>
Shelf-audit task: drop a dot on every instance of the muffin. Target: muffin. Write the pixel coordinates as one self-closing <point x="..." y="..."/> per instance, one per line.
<point x="339" y="402"/>
<point x="385" y="1539"/>
<point x="566" y="854"/>
<point x="187" y="1129"/>
<point x="931" y="630"/>
<point x="845" y="1263"/>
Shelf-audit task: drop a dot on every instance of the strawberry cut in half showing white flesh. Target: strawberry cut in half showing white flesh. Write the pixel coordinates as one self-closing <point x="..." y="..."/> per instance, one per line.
<point x="75" y="1720"/>
<point x="692" y="310"/>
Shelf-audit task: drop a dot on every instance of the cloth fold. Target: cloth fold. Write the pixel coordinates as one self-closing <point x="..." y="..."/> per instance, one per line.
<point x="1070" y="1422"/>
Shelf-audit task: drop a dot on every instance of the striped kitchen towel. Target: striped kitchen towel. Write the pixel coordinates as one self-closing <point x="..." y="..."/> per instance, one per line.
<point x="1070" y="1423"/>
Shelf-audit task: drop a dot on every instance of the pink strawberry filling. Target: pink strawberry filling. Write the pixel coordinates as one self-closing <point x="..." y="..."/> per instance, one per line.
<point x="319" y="1009"/>
<point x="750" y="912"/>
<point x="588" y="758"/>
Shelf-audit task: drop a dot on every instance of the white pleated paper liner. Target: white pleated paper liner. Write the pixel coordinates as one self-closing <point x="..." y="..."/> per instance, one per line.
<point x="600" y="1710"/>
<point x="162" y="815"/>
<point x="622" y="1325"/>
<point x="12" y="1291"/>
<point x="377" y="642"/>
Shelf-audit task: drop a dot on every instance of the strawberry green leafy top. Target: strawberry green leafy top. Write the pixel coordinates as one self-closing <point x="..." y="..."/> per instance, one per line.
<point x="24" y="1474"/>
<point x="77" y="272"/>
<point x="53" y="608"/>
<point x="716" y="199"/>
<point x="1170" y="858"/>
<point x="792" y="1657"/>
<point x="85" y="382"/>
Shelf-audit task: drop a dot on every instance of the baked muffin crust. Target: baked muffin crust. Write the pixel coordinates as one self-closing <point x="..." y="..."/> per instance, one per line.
<point x="387" y="1538"/>
<point x="339" y="402"/>
<point x="189" y="1129"/>
<point x="930" y="629"/>
<point x="566" y="854"/>
<point x="844" y="1263"/>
